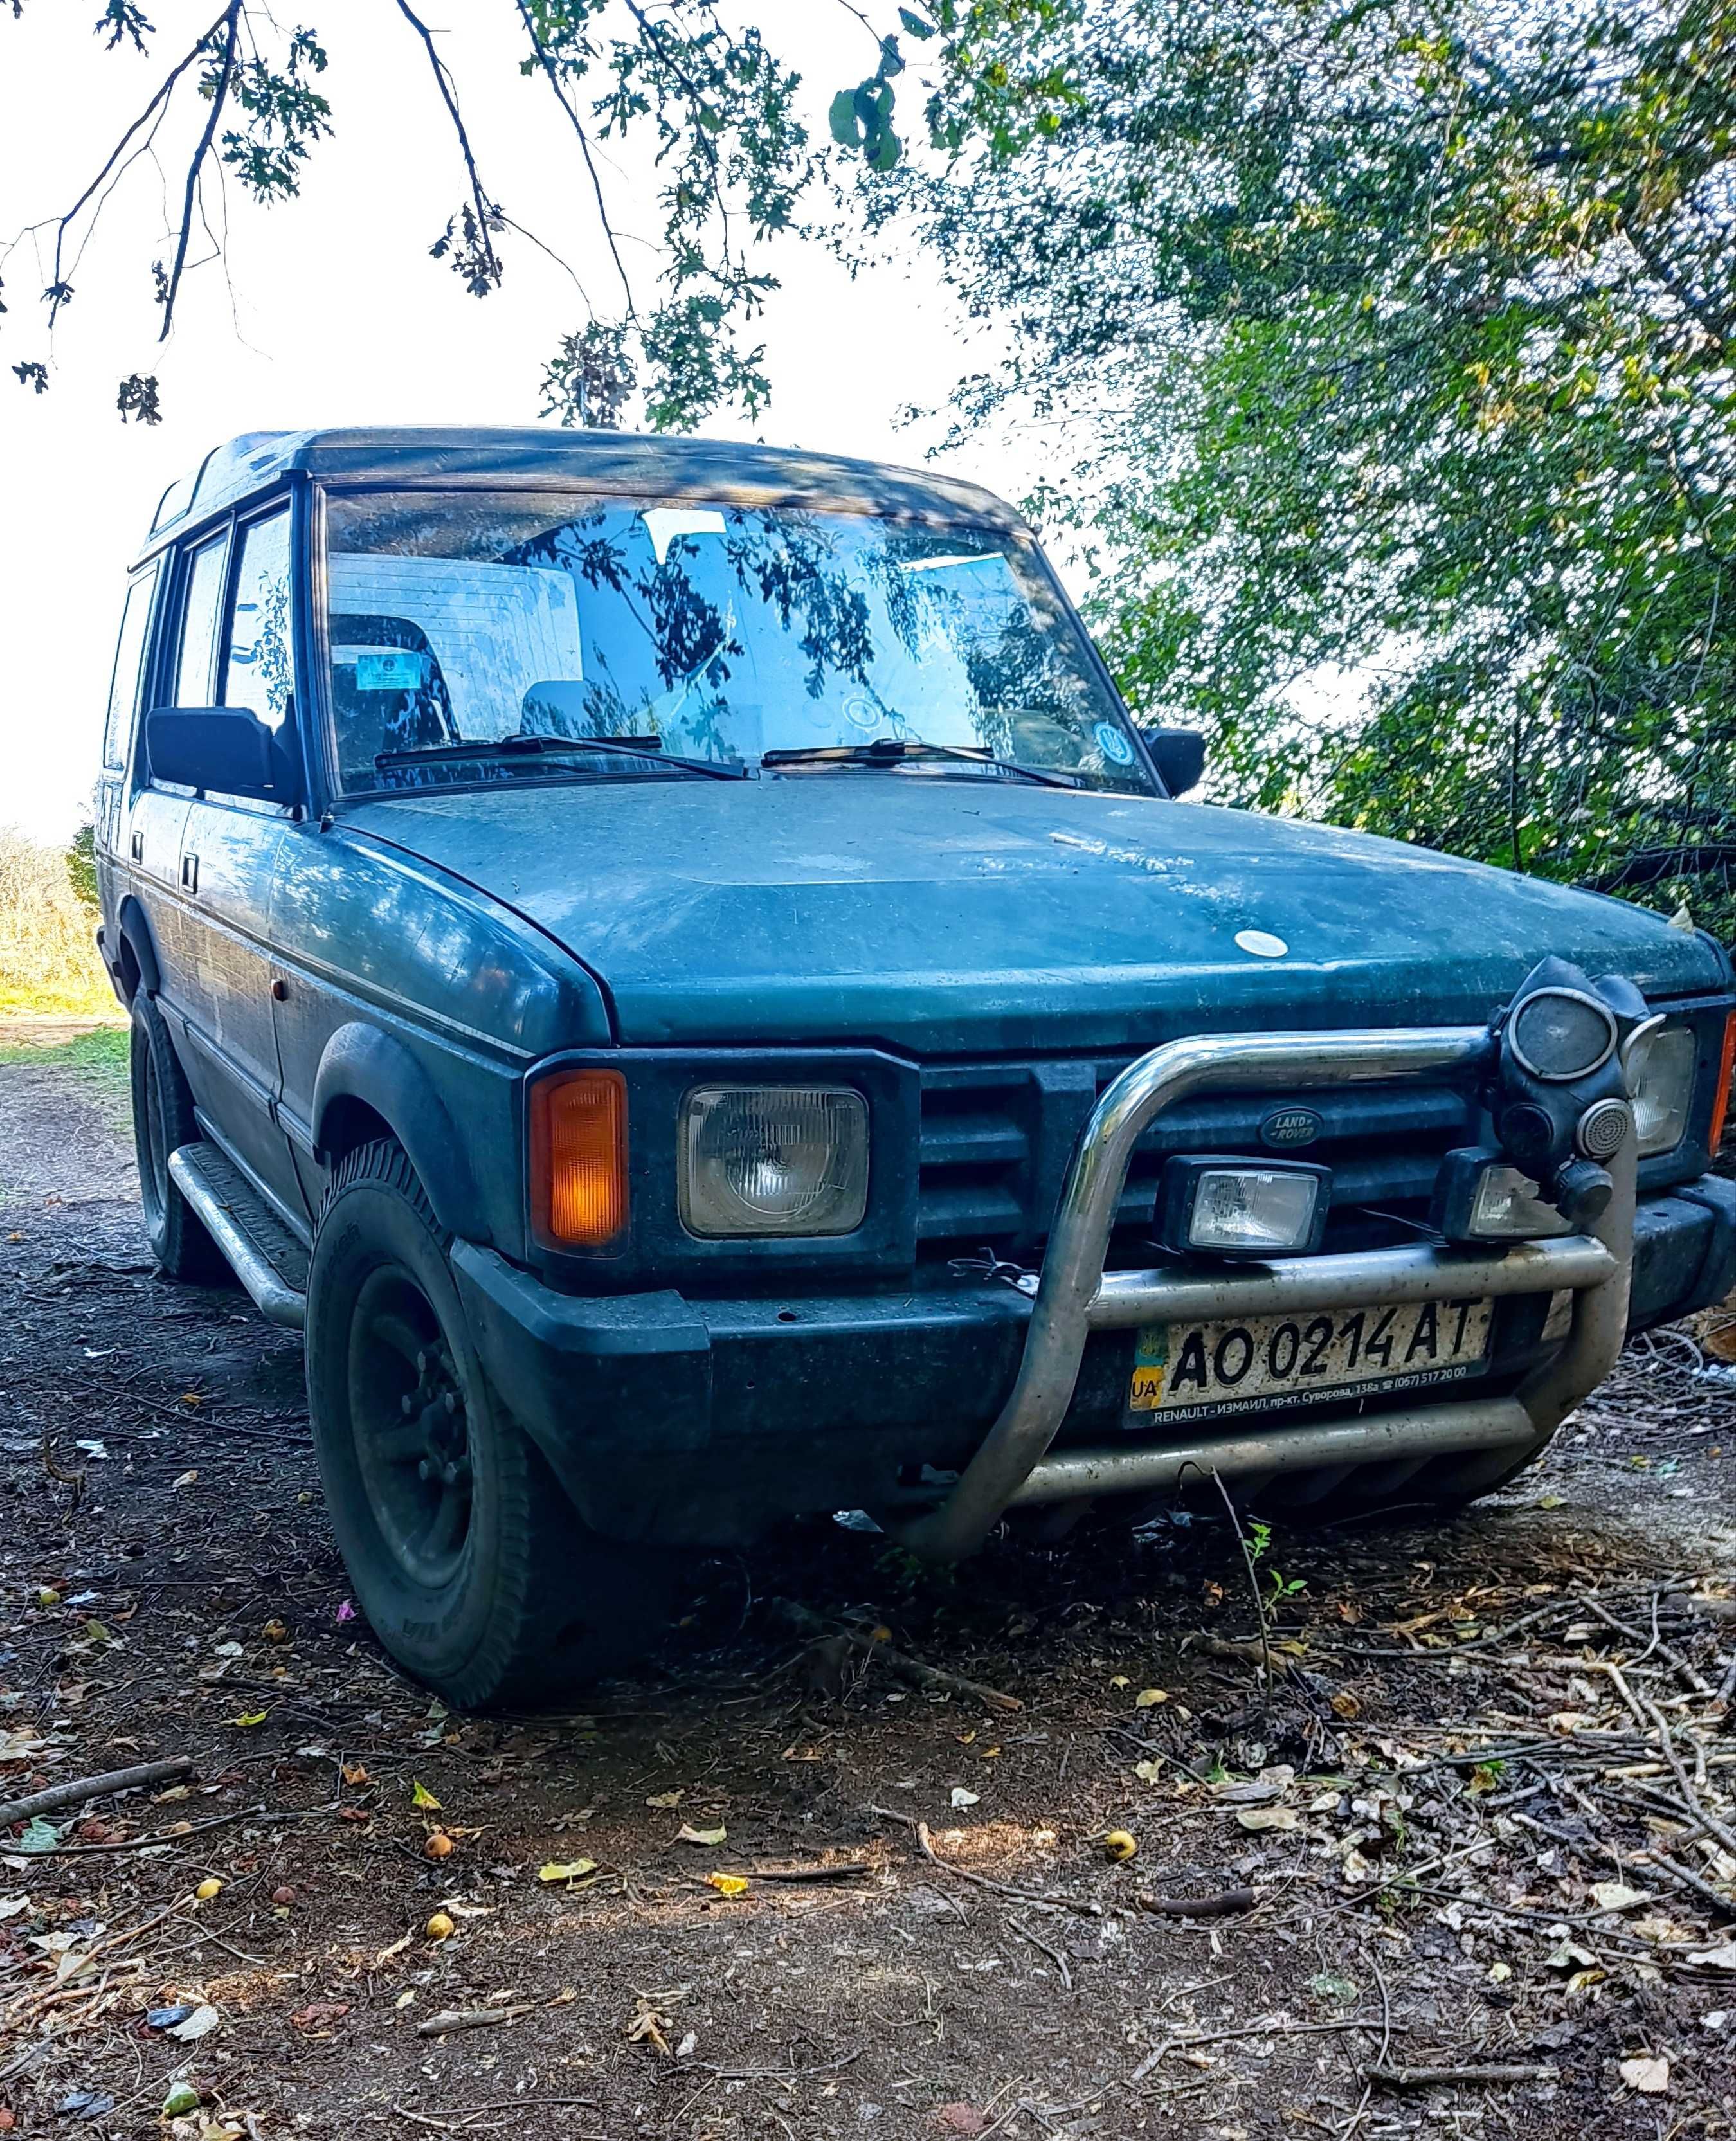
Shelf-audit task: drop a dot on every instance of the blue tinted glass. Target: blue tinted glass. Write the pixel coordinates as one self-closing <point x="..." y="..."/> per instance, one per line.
<point x="724" y="631"/>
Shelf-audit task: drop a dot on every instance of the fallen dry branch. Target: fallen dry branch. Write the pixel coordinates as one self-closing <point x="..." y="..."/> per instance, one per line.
<point x="1489" y="2077"/>
<point x="925" y="1845"/>
<point x="1227" y="1903"/>
<point x="78" y="1790"/>
<point x="846" y="1870"/>
<point x="451" y="2020"/>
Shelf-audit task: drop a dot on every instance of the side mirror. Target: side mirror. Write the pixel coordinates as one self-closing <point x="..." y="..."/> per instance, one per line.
<point x="227" y="749"/>
<point x="1179" y="755"/>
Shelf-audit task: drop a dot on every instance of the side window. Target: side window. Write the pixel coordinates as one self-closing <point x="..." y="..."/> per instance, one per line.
<point x="129" y="662"/>
<point x="259" y="665"/>
<point x="193" y="678"/>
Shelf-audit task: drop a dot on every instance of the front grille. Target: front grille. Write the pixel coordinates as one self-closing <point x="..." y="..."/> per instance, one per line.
<point x="996" y="1138"/>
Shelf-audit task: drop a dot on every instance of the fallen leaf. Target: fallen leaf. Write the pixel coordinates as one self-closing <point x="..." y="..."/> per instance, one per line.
<point x="665" y="1799"/>
<point x="1268" y="1817"/>
<point x="1121" y="1679"/>
<point x="188" y="1479"/>
<point x="355" y="1773"/>
<point x="566" y="1869"/>
<point x="1148" y="1773"/>
<point x="1616" y="1896"/>
<point x="1716" y="1958"/>
<point x="1344" y="1704"/>
<point x="319" y="2014"/>
<point x="1651" y="2077"/>
<point x="960" y="2118"/>
<point x="727" y="1884"/>
<point x="961" y="1798"/>
<point x="1147" y="1696"/>
<point x="200" y="2023"/>
<point x="207" y="1889"/>
<point x="420" y="1796"/>
<point x="249" y="1718"/>
<point x="685" y="1834"/>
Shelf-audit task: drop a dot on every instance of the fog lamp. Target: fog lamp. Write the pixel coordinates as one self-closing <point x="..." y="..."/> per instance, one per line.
<point x="773" y="1159"/>
<point x="1479" y="1197"/>
<point x="1235" y="1208"/>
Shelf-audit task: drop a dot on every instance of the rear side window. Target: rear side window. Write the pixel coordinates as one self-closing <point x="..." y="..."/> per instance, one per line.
<point x="200" y="606"/>
<point x="129" y="663"/>
<point x="259" y="663"/>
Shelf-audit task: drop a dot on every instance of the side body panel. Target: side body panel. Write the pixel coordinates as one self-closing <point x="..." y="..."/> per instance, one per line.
<point x="412" y="999"/>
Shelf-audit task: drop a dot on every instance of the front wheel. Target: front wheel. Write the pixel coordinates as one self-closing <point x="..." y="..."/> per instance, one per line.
<point x="470" y="1562"/>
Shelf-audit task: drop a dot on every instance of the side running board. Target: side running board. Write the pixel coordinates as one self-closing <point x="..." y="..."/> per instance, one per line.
<point x="269" y="1260"/>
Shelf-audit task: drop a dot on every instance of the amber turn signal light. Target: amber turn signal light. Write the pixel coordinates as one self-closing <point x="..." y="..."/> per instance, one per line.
<point x="578" y="1159"/>
<point x="1721" y="1090"/>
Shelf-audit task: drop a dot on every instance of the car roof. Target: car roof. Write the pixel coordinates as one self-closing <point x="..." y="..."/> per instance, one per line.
<point x="715" y="470"/>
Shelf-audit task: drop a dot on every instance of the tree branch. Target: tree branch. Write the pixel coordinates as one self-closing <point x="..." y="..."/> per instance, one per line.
<point x="487" y="259"/>
<point x="545" y="60"/>
<point x="229" y="24"/>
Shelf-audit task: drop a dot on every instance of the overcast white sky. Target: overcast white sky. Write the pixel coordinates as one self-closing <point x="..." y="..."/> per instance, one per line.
<point x="333" y="314"/>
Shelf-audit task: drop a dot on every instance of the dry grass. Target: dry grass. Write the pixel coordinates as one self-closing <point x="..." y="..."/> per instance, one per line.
<point x="49" y="959"/>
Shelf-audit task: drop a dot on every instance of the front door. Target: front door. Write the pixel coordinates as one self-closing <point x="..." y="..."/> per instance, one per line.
<point x="230" y="848"/>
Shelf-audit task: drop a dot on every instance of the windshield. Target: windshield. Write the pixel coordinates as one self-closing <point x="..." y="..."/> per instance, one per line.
<point x="724" y="632"/>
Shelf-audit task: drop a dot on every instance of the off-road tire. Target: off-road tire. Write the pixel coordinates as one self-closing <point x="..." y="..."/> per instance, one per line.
<point x="163" y="1119"/>
<point x="494" y="1592"/>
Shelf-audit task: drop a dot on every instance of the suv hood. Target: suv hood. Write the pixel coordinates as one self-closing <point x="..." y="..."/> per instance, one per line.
<point x="943" y="916"/>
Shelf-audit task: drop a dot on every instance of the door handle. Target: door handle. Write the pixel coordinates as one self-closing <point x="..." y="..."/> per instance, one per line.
<point x="190" y="873"/>
<point x="136" y="847"/>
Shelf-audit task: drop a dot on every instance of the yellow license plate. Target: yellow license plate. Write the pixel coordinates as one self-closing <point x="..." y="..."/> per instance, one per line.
<point x="1270" y="1363"/>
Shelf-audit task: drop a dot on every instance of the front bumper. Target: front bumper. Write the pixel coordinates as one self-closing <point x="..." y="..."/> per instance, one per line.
<point x="704" y="1421"/>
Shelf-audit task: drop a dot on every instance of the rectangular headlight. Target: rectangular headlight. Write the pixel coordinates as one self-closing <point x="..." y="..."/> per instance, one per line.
<point x="1479" y="1197"/>
<point x="1241" y="1208"/>
<point x="1661" y="1087"/>
<point x="773" y="1159"/>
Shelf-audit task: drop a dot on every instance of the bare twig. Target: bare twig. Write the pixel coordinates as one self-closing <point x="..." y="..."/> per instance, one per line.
<point x="925" y="1845"/>
<point x="1042" y="1946"/>
<point x="1253" y="1583"/>
<point x="229" y="27"/>
<point x="1491" y="2077"/>
<point x="78" y="1790"/>
<point x="1229" y="1903"/>
<point x="481" y="207"/>
<point x="545" y="60"/>
<point x="451" y="2020"/>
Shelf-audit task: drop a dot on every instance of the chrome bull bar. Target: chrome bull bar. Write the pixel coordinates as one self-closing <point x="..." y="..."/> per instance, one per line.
<point x="1075" y="1295"/>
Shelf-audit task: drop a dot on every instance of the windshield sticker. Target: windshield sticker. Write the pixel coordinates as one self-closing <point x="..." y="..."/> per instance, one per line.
<point x="1113" y="745"/>
<point x="392" y="670"/>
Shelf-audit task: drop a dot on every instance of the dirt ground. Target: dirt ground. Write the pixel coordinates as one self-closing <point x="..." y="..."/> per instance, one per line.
<point x="1483" y="1820"/>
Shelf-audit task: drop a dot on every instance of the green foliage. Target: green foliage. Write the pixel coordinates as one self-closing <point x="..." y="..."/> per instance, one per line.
<point x="1407" y="326"/>
<point x="720" y="108"/>
<point x="81" y="864"/>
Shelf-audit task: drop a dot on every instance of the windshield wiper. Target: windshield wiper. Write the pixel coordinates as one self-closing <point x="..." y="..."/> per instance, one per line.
<point x="535" y="747"/>
<point x="890" y="750"/>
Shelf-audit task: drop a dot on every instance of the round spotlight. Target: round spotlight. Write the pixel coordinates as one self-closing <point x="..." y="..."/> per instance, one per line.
<point x="1601" y="1129"/>
<point x="1560" y="1034"/>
